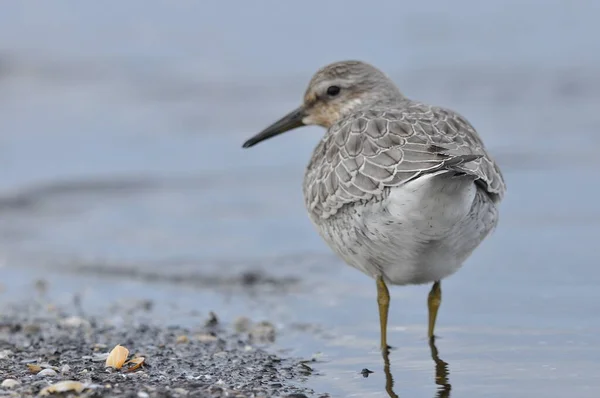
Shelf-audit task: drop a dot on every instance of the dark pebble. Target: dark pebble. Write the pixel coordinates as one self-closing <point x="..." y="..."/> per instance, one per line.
<point x="366" y="372"/>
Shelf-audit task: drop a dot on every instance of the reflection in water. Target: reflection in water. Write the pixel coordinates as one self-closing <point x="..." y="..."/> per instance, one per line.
<point x="441" y="373"/>
<point x="389" y="379"/>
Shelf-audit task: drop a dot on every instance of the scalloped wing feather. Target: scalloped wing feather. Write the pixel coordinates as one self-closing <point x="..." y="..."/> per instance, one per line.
<point x="369" y="151"/>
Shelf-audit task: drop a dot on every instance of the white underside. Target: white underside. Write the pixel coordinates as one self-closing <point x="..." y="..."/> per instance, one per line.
<point x="420" y="232"/>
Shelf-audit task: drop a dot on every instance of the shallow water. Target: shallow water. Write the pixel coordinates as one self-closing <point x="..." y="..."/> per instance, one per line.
<point x="122" y="177"/>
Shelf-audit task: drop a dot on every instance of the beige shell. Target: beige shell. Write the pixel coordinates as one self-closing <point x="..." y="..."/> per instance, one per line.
<point x="117" y="357"/>
<point x="63" y="386"/>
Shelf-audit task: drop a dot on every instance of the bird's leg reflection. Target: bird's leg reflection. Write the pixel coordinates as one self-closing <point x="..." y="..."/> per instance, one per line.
<point x="441" y="372"/>
<point x="389" y="379"/>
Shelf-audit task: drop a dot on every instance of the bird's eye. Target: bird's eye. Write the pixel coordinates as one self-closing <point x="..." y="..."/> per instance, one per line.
<point x="332" y="91"/>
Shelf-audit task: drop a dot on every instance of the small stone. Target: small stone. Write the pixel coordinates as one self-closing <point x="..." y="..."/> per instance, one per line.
<point x="182" y="339"/>
<point x="251" y="278"/>
<point x="147" y="305"/>
<point x="41" y="285"/>
<point x="241" y="324"/>
<point x="32" y="328"/>
<point x="212" y="320"/>
<point x="75" y="322"/>
<point x="180" y="391"/>
<point x="263" y="332"/>
<point x="143" y="394"/>
<point x="34" y="368"/>
<point x="10" y="383"/>
<point x="100" y="347"/>
<point x="206" y="338"/>
<point x="140" y="374"/>
<point x="305" y="367"/>
<point x="47" y="373"/>
<point x="64" y="386"/>
<point x="65" y="369"/>
<point x="4" y="354"/>
<point x="99" y="357"/>
<point x="366" y="372"/>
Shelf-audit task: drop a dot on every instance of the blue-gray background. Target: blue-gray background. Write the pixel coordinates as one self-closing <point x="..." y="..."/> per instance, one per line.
<point x="120" y="133"/>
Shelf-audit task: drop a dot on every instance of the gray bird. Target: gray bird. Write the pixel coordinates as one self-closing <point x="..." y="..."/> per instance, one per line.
<point x="400" y="190"/>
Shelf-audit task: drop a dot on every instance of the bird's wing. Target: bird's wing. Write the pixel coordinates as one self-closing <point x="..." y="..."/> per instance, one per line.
<point x="369" y="151"/>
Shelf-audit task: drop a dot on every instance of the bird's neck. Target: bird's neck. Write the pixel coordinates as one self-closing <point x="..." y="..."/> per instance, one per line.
<point x="373" y="101"/>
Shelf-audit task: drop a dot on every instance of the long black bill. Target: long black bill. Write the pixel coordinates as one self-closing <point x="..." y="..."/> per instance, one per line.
<point x="290" y="121"/>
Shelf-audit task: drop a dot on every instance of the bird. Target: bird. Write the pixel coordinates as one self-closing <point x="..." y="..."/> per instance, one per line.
<point x="399" y="189"/>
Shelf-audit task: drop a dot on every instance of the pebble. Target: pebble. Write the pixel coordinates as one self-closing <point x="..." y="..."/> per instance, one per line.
<point x="263" y="332"/>
<point x="5" y="354"/>
<point x="212" y="321"/>
<point x="242" y="324"/>
<point x="75" y="322"/>
<point x="65" y="369"/>
<point x="34" y="368"/>
<point x="47" y="373"/>
<point x="10" y="383"/>
<point x="31" y="328"/>
<point x="98" y="357"/>
<point x="100" y="347"/>
<point x="206" y="338"/>
<point x="41" y="286"/>
<point x="182" y="339"/>
<point x="366" y="372"/>
<point x="64" y="386"/>
<point x="143" y="394"/>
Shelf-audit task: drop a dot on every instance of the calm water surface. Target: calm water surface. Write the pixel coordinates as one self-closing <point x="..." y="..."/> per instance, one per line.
<point x="122" y="172"/>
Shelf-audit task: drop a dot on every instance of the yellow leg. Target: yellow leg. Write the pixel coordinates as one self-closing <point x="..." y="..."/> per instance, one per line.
<point x="383" y="300"/>
<point x="433" y="302"/>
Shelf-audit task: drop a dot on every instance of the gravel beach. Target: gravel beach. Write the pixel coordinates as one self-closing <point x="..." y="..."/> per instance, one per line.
<point x="41" y="345"/>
